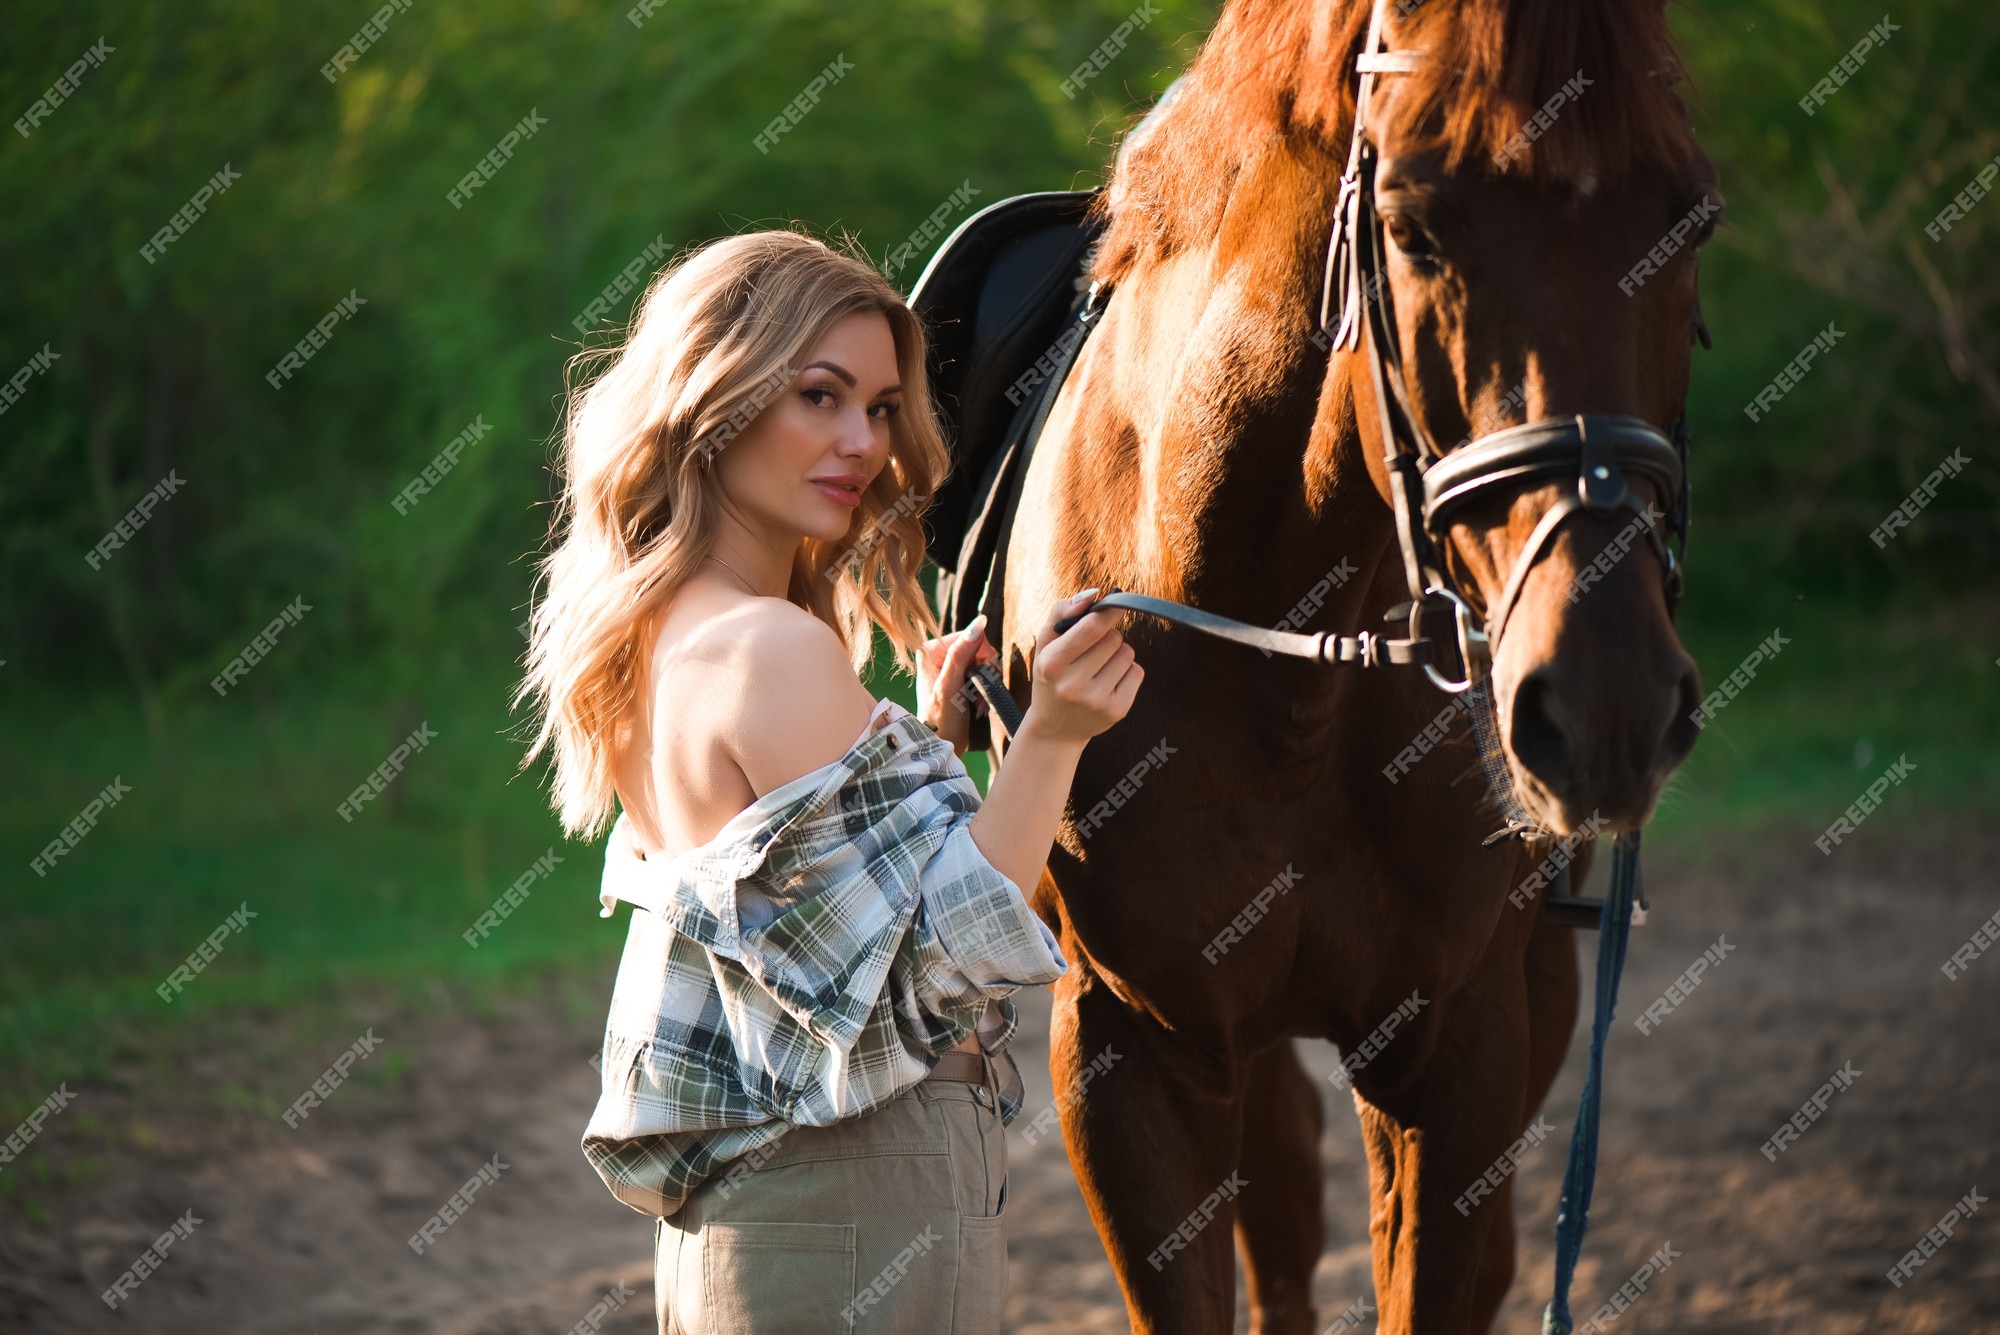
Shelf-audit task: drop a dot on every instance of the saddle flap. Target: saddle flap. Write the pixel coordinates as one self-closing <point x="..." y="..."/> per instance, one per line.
<point x="992" y="300"/>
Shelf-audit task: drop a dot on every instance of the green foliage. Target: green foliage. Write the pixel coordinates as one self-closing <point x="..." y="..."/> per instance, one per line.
<point x="343" y="188"/>
<point x="649" y="134"/>
<point x="1826" y="224"/>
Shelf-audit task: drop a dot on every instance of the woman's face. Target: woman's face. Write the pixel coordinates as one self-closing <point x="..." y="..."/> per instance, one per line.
<point x="801" y="465"/>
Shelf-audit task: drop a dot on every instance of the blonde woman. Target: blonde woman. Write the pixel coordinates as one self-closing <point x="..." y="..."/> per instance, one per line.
<point x="805" y="1071"/>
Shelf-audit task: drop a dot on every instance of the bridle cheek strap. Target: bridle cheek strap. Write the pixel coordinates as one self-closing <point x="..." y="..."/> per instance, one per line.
<point x="1524" y="561"/>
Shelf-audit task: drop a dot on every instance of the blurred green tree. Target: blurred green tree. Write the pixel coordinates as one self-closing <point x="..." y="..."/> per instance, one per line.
<point x="650" y="117"/>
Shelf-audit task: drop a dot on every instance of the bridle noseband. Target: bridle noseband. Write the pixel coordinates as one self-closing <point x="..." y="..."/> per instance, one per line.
<point x="1427" y="485"/>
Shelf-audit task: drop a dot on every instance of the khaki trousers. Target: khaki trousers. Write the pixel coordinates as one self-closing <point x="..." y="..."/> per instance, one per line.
<point x="886" y="1224"/>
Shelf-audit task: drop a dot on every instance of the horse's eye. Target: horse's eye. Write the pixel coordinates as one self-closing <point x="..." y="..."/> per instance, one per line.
<point x="1709" y="217"/>
<point x="1410" y="238"/>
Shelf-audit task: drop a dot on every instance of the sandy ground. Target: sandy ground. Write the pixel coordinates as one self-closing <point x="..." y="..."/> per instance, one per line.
<point x="1832" y="961"/>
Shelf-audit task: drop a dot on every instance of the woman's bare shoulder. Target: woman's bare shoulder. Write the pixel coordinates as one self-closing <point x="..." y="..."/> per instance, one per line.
<point x="775" y="686"/>
<point x="707" y="624"/>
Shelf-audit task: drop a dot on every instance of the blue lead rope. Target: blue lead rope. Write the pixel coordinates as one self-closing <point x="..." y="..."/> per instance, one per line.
<point x="1614" y="929"/>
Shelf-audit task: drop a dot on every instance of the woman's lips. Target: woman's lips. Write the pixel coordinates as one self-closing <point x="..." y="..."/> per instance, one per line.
<point x="845" y="496"/>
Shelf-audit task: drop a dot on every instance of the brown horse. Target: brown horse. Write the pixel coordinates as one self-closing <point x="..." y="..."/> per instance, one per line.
<point x="1243" y="859"/>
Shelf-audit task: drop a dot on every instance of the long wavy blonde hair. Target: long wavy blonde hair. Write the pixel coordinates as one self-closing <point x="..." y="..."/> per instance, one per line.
<point x="719" y="334"/>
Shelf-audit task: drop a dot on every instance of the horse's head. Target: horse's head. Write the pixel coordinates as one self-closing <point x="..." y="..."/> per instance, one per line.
<point x="1540" y="203"/>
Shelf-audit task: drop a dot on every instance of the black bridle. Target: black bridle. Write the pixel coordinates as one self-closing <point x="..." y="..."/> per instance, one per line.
<point x="1427" y="485"/>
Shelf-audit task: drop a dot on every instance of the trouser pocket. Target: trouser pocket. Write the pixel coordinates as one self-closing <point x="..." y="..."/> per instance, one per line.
<point x="982" y="1276"/>
<point x="776" y="1279"/>
<point x="979" y="1169"/>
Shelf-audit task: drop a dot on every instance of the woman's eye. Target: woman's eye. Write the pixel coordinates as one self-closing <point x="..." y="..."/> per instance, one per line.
<point x="816" y="389"/>
<point x="889" y="410"/>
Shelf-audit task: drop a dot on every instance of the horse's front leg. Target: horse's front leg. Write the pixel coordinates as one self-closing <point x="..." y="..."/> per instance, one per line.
<point x="1439" y="1129"/>
<point x="1279" y="1226"/>
<point x="1153" y="1139"/>
<point x="1550" y="976"/>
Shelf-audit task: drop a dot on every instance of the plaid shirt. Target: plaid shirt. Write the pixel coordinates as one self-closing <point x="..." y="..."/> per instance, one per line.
<point x="811" y="961"/>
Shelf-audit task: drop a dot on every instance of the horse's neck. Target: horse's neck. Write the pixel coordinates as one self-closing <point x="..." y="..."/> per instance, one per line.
<point x="1255" y="498"/>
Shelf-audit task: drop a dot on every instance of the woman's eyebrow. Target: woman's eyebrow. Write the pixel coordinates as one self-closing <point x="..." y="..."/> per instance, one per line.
<point x="840" y="371"/>
<point x="848" y="376"/>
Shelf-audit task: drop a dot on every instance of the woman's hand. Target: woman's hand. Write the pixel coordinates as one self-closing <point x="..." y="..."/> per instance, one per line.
<point x="1085" y="681"/>
<point x="1085" y="678"/>
<point x="943" y="698"/>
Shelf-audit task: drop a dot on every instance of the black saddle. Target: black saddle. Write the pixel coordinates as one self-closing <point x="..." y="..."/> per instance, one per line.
<point x="1001" y="301"/>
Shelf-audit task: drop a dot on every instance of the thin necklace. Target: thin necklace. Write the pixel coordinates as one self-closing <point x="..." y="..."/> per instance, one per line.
<point x="734" y="571"/>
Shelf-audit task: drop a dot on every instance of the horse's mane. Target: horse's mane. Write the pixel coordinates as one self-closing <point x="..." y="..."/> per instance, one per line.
<point x="1278" y="67"/>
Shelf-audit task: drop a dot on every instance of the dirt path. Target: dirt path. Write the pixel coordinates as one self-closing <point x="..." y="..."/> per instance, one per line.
<point x="1831" y="962"/>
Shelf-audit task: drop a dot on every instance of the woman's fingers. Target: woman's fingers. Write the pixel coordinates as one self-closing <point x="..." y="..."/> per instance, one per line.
<point x="971" y="641"/>
<point x="1087" y="676"/>
<point x="1047" y="636"/>
<point x="1127" y="688"/>
<point x="1091" y="661"/>
<point x="1074" y="642"/>
<point x="1114" y="668"/>
<point x="952" y="684"/>
<point x="948" y="665"/>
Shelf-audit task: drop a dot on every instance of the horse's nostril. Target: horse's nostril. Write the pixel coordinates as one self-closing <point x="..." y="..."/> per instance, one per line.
<point x="1536" y="737"/>
<point x="1681" y="730"/>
